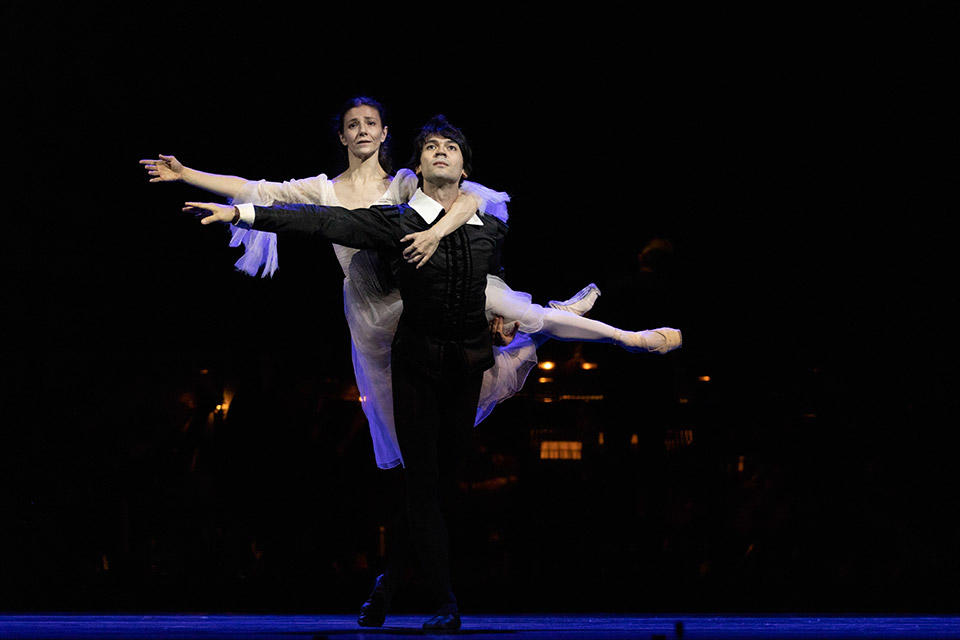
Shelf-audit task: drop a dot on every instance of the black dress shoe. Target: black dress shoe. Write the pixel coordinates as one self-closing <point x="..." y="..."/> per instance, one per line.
<point x="443" y="622"/>
<point x="374" y="611"/>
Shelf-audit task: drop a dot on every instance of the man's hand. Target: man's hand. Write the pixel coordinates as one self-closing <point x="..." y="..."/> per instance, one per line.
<point x="422" y="246"/>
<point x="164" y="169"/>
<point x="501" y="338"/>
<point x="218" y="212"/>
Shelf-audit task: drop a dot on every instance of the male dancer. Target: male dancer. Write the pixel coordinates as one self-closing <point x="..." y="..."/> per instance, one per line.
<point x="443" y="342"/>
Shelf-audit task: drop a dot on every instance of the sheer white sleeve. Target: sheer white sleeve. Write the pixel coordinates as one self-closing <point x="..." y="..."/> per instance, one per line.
<point x="494" y="202"/>
<point x="405" y="182"/>
<point x="260" y="247"/>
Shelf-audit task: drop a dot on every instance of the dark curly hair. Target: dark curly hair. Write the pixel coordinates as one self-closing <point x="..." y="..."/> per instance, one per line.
<point x="439" y="125"/>
<point x="384" y="154"/>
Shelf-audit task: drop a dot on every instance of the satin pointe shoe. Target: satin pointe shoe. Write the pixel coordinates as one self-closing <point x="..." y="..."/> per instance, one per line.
<point x="443" y="622"/>
<point x="373" y="612"/>
<point x="581" y="302"/>
<point x="662" y="340"/>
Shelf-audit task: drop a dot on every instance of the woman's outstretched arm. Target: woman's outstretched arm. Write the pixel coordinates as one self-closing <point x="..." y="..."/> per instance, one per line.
<point x="239" y="190"/>
<point x="169" y="169"/>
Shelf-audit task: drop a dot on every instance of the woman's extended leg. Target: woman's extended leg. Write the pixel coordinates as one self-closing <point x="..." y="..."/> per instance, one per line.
<point x="543" y="323"/>
<point x="562" y="325"/>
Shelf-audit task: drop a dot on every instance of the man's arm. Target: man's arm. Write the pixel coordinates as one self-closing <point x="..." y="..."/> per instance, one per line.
<point x="373" y="228"/>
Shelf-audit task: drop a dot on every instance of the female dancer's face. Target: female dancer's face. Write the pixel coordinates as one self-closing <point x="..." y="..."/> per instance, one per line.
<point x="363" y="133"/>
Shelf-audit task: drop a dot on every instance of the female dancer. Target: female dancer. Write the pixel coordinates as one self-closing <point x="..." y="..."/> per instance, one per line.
<point x="371" y="309"/>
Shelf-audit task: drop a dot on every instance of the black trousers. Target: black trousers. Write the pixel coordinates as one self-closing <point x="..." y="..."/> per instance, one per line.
<point x="434" y="418"/>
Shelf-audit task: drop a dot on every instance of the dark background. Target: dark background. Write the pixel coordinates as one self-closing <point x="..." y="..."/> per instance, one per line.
<point x="800" y="160"/>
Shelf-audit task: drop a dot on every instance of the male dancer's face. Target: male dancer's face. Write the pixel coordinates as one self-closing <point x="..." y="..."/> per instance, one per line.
<point x="441" y="161"/>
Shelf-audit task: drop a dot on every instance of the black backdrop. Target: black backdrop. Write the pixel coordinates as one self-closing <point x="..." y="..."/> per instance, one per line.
<point x="800" y="160"/>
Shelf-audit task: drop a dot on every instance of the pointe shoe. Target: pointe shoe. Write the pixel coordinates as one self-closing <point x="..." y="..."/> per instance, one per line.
<point x="581" y="302"/>
<point x="443" y="622"/>
<point x="373" y="612"/>
<point x="662" y="340"/>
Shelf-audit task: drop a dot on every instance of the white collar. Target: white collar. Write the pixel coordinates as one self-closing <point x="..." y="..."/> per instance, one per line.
<point x="429" y="209"/>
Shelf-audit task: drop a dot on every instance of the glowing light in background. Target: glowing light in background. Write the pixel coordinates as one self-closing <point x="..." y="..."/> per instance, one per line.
<point x="547" y="365"/>
<point x="561" y="450"/>
<point x="228" y="394"/>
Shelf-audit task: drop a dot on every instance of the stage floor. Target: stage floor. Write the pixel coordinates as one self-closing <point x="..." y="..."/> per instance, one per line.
<point x="519" y="627"/>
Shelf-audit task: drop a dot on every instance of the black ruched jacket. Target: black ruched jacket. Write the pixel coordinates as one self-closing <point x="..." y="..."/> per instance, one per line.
<point x="443" y="329"/>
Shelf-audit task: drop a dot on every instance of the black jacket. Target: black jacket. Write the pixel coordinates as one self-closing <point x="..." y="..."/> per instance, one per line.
<point x="443" y="329"/>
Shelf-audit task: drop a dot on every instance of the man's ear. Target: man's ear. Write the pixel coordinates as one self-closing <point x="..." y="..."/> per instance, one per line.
<point x="343" y="140"/>
<point x="463" y="174"/>
<point x="417" y="170"/>
<point x="383" y="135"/>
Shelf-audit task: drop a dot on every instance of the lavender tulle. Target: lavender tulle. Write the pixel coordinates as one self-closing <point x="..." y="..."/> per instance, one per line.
<point x="260" y="250"/>
<point x="505" y="378"/>
<point x="493" y="203"/>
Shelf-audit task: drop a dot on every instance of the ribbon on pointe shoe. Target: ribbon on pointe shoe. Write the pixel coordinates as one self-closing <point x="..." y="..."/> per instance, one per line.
<point x="581" y="302"/>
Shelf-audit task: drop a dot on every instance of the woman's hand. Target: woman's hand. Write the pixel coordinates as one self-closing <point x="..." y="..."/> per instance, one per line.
<point x="422" y="246"/>
<point x="218" y="212"/>
<point x="424" y="243"/>
<point x="500" y="337"/>
<point x="164" y="169"/>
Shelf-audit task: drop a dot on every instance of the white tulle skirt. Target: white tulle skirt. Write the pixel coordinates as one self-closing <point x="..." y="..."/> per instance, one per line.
<point x="373" y="317"/>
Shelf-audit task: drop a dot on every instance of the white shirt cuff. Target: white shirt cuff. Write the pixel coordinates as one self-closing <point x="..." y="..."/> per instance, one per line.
<point x="247" y="215"/>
